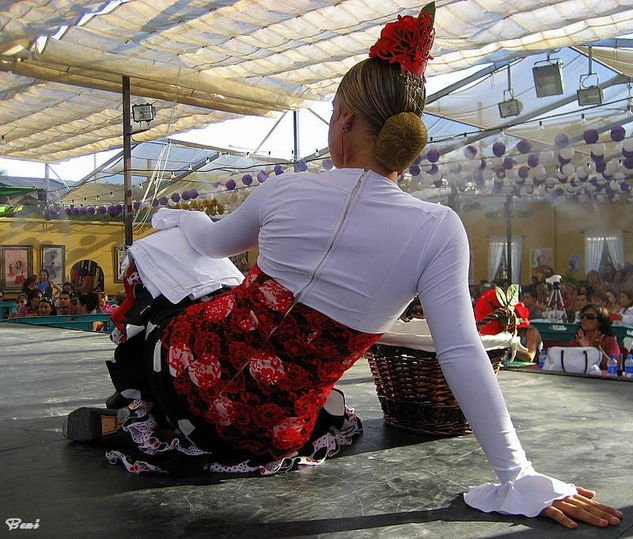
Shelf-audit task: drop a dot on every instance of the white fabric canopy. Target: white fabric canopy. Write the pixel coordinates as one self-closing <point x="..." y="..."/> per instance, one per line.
<point x="207" y="61"/>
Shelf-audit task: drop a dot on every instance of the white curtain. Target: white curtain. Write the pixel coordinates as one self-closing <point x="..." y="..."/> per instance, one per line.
<point x="594" y="244"/>
<point x="496" y="248"/>
<point x="615" y="244"/>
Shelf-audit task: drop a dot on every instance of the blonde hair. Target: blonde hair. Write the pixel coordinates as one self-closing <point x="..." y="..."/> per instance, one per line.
<point x="390" y="104"/>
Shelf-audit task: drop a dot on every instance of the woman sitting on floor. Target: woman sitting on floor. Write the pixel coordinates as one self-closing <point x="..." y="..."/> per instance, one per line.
<point x="240" y="382"/>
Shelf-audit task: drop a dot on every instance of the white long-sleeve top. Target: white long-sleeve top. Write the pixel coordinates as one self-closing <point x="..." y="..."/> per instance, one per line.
<point x="350" y="244"/>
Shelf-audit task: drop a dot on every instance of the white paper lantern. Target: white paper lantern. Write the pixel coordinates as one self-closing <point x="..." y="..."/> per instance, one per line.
<point x="582" y="173"/>
<point x="495" y="162"/>
<point x="598" y="148"/>
<point x="568" y="169"/>
<point x="600" y="197"/>
<point x="539" y="172"/>
<point x="627" y="144"/>
<point x="567" y="153"/>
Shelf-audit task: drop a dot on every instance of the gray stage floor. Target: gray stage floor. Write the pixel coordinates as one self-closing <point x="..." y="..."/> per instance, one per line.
<point x="389" y="484"/>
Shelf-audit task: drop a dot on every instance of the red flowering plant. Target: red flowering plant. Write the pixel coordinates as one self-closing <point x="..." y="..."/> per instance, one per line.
<point x="497" y="311"/>
<point x="407" y="41"/>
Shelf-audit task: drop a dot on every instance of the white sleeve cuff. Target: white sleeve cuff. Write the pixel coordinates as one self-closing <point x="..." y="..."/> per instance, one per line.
<point x="528" y="494"/>
<point x="166" y="218"/>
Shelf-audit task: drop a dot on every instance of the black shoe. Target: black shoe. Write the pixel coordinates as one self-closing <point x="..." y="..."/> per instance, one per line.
<point x="116" y="401"/>
<point x="84" y="424"/>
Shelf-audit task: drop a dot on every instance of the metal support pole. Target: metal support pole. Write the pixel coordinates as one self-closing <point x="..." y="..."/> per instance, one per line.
<point x="508" y="215"/>
<point x="295" y="129"/>
<point x="127" y="162"/>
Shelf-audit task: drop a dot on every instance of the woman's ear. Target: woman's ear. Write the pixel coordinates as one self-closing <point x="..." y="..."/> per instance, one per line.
<point x="348" y="120"/>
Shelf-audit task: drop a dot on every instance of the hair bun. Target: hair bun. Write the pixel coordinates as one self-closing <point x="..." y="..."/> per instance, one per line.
<point x="400" y="140"/>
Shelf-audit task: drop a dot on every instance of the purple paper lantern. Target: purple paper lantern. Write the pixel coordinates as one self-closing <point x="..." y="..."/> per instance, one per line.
<point x="67" y="211"/>
<point x="533" y="160"/>
<point x="563" y="161"/>
<point x="155" y="203"/>
<point x="193" y="194"/>
<point x="524" y="146"/>
<point x="74" y="211"/>
<point x="498" y="148"/>
<point x="561" y="140"/>
<point x="101" y="210"/>
<point x="618" y="133"/>
<point x="137" y="204"/>
<point x="470" y="152"/>
<point x="247" y="179"/>
<point x="278" y="170"/>
<point x="175" y="197"/>
<point x="301" y="166"/>
<point x="628" y="163"/>
<point x="163" y="201"/>
<point x="500" y="173"/>
<point x="433" y="156"/>
<point x="230" y="185"/>
<point x="508" y="163"/>
<point x="438" y="183"/>
<point x="90" y="210"/>
<point x="185" y="195"/>
<point x="591" y="136"/>
<point x="625" y="186"/>
<point x="262" y="176"/>
<point x="416" y="161"/>
<point x="601" y="166"/>
<point x="82" y="211"/>
<point x="414" y="170"/>
<point x="524" y="172"/>
<point x="627" y="153"/>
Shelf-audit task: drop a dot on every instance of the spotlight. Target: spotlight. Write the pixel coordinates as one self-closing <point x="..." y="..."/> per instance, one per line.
<point x="589" y="96"/>
<point x="143" y="113"/>
<point x="548" y="78"/>
<point x="509" y="106"/>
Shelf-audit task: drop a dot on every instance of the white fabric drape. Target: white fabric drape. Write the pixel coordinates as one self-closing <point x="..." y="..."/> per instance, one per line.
<point x="496" y="249"/>
<point x="594" y="243"/>
<point x="615" y="244"/>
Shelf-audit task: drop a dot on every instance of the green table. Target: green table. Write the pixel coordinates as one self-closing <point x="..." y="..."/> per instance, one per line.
<point x="564" y="332"/>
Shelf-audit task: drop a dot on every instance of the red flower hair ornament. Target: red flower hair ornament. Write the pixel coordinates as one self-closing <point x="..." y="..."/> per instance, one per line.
<point x="407" y="41"/>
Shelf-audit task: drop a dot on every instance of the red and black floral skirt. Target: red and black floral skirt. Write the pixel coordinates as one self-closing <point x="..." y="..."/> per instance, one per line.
<point x="246" y="374"/>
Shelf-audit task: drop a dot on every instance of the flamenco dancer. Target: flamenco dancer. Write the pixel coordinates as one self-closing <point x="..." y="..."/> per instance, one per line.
<point x="242" y="381"/>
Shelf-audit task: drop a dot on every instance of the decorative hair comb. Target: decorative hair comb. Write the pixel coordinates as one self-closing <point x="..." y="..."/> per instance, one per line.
<point x="407" y="41"/>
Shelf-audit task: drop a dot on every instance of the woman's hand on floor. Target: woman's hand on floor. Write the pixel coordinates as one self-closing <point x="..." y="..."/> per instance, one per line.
<point x="584" y="508"/>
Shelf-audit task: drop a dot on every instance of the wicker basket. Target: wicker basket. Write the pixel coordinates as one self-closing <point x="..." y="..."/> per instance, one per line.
<point x="413" y="392"/>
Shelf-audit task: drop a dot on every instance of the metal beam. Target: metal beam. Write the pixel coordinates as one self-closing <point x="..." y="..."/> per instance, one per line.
<point x="270" y="132"/>
<point x="194" y="167"/>
<point x="128" y="216"/>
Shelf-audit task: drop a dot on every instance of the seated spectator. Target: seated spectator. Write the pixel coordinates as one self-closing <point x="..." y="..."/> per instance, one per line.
<point x="67" y="286"/>
<point x="88" y="303"/>
<point x="30" y="283"/>
<point x="64" y="304"/>
<point x="611" y="301"/>
<point x="31" y="308"/>
<point x="46" y="307"/>
<point x="104" y="306"/>
<point x="595" y="330"/>
<point x="529" y="298"/>
<point x="531" y="339"/>
<point x="46" y="285"/>
<point x="625" y="300"/>
<point x="579" y="304"/>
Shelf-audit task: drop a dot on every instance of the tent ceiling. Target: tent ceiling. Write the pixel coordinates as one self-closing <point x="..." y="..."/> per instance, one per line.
<point x="205" y="61"/>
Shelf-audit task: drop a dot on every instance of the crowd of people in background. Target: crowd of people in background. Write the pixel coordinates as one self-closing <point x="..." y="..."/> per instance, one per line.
<point x="41" y="296"/>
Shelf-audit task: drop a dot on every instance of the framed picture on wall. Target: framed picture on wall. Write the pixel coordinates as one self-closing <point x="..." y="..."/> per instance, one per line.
<point x="119" y="256"/>
<point x="541" y="263"/>
<point x="17" y="265"/>
<point x="54" y="261"/>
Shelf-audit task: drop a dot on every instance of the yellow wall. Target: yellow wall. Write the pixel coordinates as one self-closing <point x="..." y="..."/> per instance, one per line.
<point x="82" y="240"/>
<point x="544" y="225"/>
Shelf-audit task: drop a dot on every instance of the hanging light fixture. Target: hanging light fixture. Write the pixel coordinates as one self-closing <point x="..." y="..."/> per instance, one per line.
<point x="589" y="95"/>
<point x="509" y="106"/>
<point x="548" y="78"/>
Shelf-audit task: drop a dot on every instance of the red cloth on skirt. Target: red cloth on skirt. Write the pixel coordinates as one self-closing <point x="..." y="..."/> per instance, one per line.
<point x="255" y="367"/>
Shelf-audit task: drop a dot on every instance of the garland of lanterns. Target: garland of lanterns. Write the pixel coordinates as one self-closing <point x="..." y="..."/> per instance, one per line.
<point x="520" y="172"/>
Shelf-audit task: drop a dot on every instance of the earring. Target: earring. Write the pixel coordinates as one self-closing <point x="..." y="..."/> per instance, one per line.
<point x="347" y="128"/>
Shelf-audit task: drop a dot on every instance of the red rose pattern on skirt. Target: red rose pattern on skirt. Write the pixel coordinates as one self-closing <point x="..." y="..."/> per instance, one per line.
<point x="255" y="368"/>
